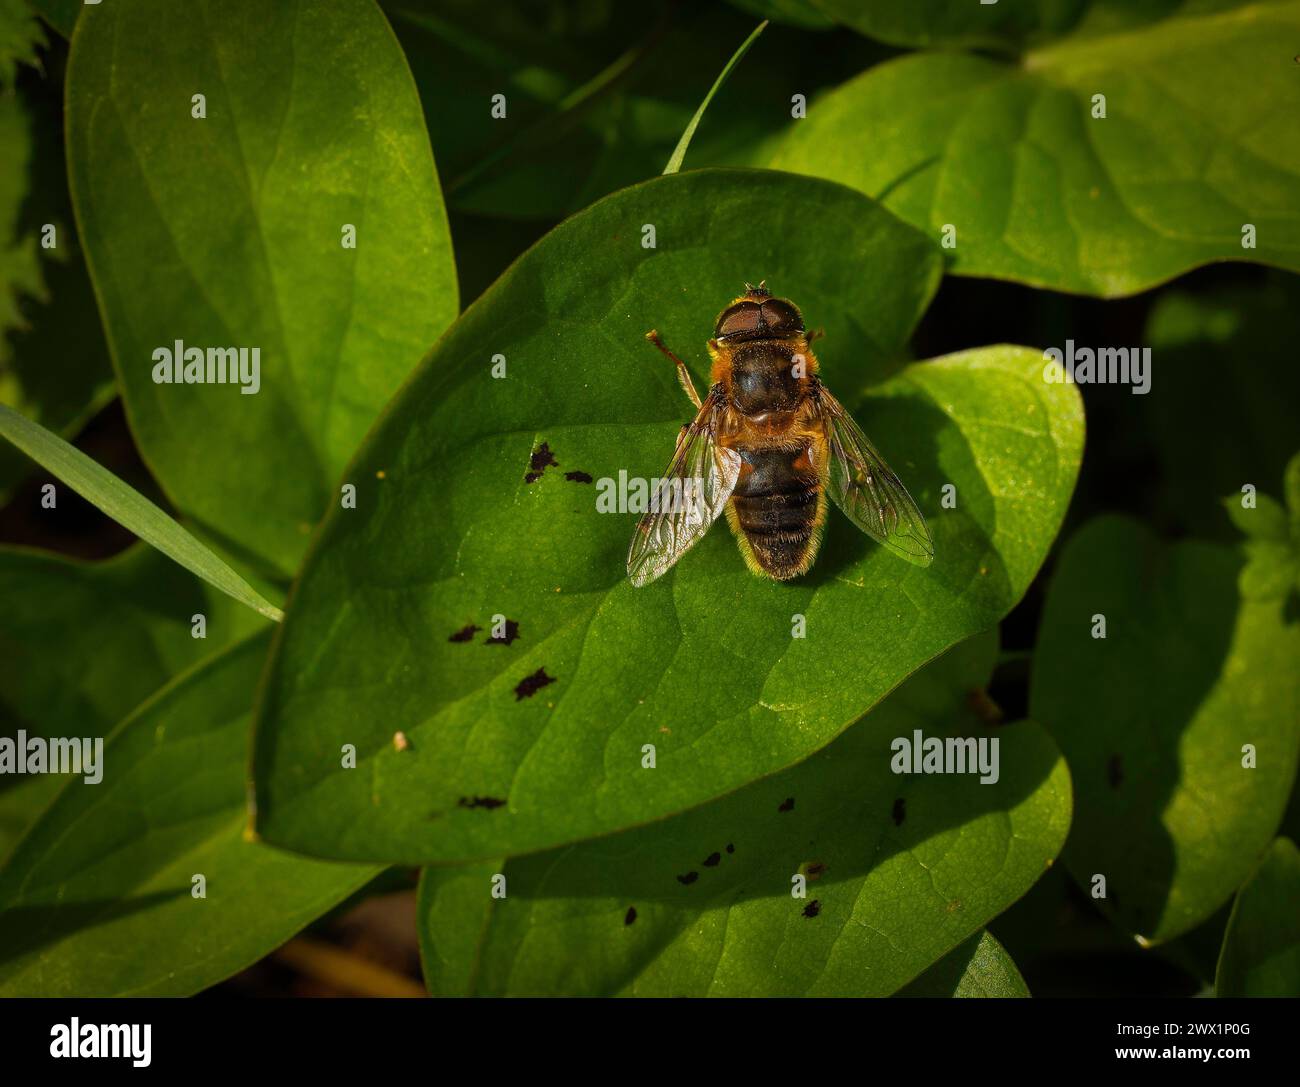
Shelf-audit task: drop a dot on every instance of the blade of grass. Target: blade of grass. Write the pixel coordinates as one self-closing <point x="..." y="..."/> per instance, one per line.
<point x="128" y="508"/>
<point x="679" y="152"/>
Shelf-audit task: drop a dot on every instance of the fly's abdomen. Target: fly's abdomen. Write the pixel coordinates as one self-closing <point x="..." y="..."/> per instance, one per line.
<point x="777" y="510"/>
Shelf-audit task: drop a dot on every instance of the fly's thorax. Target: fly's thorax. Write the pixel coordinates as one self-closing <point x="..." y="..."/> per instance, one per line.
<point x="768" y="376"/>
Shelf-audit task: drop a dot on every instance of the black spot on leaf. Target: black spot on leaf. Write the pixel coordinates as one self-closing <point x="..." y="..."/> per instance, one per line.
<point x="465" y="633"/>
<point x="488" y="802"/>
<point x="577" y="477"/>
<point x="630" y="916"/>
<point x="507" y="636"/>
<point x="815" y="870"/>
<point x="900" y="811"/>
<point x="689" y="878"/>
<point x="711" y="861"/>
<point x="541" y="459"/>
<point x="730" y="848"/>
<point x="787" y="804"/>
<point x="812" y="909"/>
<point x="530" y="685"/>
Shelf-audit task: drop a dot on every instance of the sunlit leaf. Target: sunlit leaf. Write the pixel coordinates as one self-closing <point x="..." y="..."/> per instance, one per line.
<point x="1012" y="160"/>
<point x="461" y="517"/>
<point x="897" y="871"/>
<point x="230" y="230"/>
<point x="980" y="967"/>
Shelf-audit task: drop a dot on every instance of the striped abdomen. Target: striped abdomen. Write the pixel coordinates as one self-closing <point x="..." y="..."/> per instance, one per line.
<point x="777" y="510"/>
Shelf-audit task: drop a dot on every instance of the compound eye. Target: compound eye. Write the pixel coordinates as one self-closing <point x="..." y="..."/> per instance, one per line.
<point x="782" y="316"/>
<point x="742" y="317"/>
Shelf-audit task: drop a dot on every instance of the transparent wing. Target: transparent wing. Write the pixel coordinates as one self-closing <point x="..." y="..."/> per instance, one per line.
<point x="866" y="489"/>
<point x="694" y="490"/>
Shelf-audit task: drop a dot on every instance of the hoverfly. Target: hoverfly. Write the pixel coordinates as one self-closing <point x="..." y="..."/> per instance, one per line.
<point x="768" y="444"/>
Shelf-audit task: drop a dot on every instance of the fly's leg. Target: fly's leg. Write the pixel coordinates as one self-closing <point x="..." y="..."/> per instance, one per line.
<point x="683" y="375"/>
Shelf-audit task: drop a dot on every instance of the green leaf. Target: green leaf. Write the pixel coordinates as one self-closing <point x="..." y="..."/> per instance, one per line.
<point x="1193" y="147"/>
<point x="129" y="508"/>
<point x="82" y="644"/>
<point x="1261" y="949"/>
<point x="1266" y="521"/>
<point x="454" y="534"/>
<point x="1272" y="552"/>
<point x="679" y="152"/>
<point x="979" y="967"/>
<point x="899" y="870"/>
<point x="99" y="897"/>
<point x="228" y="231"/>
<point x="1155" y="717"/>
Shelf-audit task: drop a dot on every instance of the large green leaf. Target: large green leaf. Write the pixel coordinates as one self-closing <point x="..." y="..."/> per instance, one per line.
<point x="1199" y="139"/>
<point x="899" y="870"/>
<point x="980" y="967"/>
<point x="82" y="644"/>
<point x="1154" y="719"/>
<point x="98" y="898"/>
<point x="1261" y="949"/>
<point x="228" y="232"/>
<point x="702" y="663"/>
